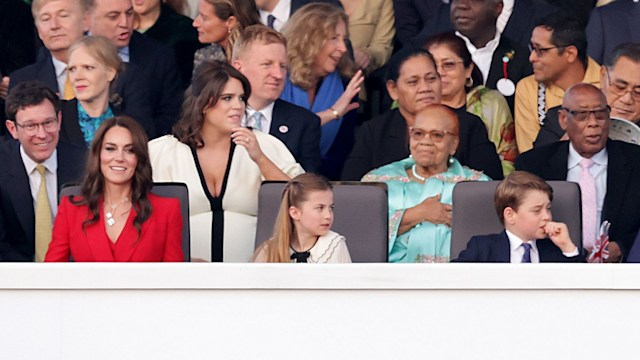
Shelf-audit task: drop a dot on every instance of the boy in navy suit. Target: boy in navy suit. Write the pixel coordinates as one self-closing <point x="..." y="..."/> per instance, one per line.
<point x="523" y="204"/>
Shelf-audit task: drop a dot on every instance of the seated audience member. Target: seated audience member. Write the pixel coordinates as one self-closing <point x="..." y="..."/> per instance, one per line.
<point x="302" y="232"/>
<point x="605" y="169"/>
<point x="620" y="81"/>
<point x="93" y="68"/>
<point x="413" y="81"/>
<point x="34" y="168"/>
<point x="371" y="32"/>
<point x="462" y="89"/>
<point x="158" y="20"/>
<point x="260" y="54"/>
<point x="60" y="24"/>
<point x="222" y="163"/>
<point x="220" y="23"/>
<point x="502" y="61"/>
<point x="275" y="13"/>
<point x="318" y="68"/>
<point x="559" y="59"/>
<point x="523" y="204"/>
<point x="421" y="187"/>
<point x="417" y="20"/>
<point x="116" y="218"/>
<point x="155" y="63"/>
<point x="611" y="25"/>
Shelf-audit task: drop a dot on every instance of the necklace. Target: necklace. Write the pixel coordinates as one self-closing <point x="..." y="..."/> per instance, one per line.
<point x="416" y="175"/>
<point x="109" y="215"/>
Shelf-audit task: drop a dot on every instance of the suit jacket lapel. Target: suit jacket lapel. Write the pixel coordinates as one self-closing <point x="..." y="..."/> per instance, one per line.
<point x="70" y="169"/>
<point x="128" y="239"/>
<point x="398" y="133"/>
<point x="277" y="120"/>
<point x="618" y="176"/>
<point x="516" y="25"/>
<point x="558" y="162"/>
<point x="96" y="236"/>
<point x="20" y="191"/>
<point x="501" y="248"/>
<point x="47" y="72"/>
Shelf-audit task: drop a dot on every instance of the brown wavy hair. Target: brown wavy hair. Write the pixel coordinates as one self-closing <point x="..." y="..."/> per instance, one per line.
<point x="295" y="193"/>
<point x="306" y="31"/>
<point x="245" y="12"/>
<point x="92" y="185"/>
<point x="206" y="86"/>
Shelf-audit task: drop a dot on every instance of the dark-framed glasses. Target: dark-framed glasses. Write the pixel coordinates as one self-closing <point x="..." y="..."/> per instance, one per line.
<point x="541" y="51"/>
<point x="31" y="128"/>
<point x="582" y="115"/>
<point x="436" y="136"/>
<point x="621" y="87"/>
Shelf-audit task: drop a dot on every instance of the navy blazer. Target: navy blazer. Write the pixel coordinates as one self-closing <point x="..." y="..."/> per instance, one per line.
<point x="384" y="139"/>
<point x="496" y="248"/>
<point x="622" y="200"/>
<point x="612" y="25"/>
<point x="157" y="67"/>
<point x="299" y="129"/>
<point x="17" y="215"/>
<point x="132" y="90"/>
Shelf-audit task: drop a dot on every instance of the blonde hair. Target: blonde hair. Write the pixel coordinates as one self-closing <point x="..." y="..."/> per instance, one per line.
<point x="276" y="249"/>
<point x="306" y="32"/>
<point x="36" y="5"/>
<point x="106" y="53"/>
<point x="256" y="34"/>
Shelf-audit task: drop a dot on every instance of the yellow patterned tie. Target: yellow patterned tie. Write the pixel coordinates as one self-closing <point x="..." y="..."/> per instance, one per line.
<point x="68" y="90"/>
<point x="43" y="217"/>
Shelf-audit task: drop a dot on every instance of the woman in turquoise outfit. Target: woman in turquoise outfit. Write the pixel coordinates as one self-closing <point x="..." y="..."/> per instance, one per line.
<point x="421" y="186"/>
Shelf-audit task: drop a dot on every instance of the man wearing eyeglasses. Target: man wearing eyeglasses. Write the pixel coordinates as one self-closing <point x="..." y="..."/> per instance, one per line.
<point x="607" y="170"/>
<point x="620" y="81"/>
<point x="27" y="204"/>
<point x="559" y="60"/>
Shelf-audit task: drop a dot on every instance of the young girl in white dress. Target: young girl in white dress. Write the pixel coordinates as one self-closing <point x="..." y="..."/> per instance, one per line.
<point x="302" y="232"/>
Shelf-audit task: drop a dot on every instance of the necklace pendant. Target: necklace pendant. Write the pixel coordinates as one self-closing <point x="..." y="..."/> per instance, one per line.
<point x="110" y="221"/>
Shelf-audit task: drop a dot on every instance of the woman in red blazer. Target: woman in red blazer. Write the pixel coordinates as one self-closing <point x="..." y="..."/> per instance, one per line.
<point x="117" y="218"/>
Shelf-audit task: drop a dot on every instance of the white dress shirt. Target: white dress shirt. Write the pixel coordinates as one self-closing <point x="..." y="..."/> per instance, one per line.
<point x="267" y="118"/>
<point x="281" y="12"/>
<point x="503" y="19"/>
<point x="599" y="172"/>
<point x="517" y="250"/>
<point x="51" y="166"/>
<point x="482" y="56"/>
<point x="61" y="75"/>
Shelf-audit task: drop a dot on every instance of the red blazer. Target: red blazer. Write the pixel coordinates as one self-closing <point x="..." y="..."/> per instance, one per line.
<point x="160" y="236"/>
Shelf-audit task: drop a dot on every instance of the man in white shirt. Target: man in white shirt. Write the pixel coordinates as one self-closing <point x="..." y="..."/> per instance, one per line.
<point x="33" y="112"/>
<point x="261" y="55"/>
<point x="502" y="62"/>
<point x="612" y="167"/>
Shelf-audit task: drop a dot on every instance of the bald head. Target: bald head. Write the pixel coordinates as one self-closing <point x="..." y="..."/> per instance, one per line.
<point x="585" y="118"/>
<point x="446" y="117"/>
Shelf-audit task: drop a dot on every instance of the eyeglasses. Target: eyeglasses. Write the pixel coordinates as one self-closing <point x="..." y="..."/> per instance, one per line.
<point x="620" y="88"/>
<point x="449" y="65"/>
<point x="583" y="115"/>
<point x="48" y="125"/>
<point x="541" y="51"/>
<point x="436" y="136"/>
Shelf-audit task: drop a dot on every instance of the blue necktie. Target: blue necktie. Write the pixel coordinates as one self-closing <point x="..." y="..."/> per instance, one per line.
<point x="526" y="257"/>
<point x="270" y="20"/>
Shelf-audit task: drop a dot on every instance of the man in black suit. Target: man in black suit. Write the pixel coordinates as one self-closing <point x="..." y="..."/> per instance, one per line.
<point x="261" y="55"/>
<point x="502" y="61"/>
<point x="33" y="112"/>
<point x="585" y="118"/>
<point x="611" y="25"/>
<point x="155" y="62"/>
<point x="60" y="23"/>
